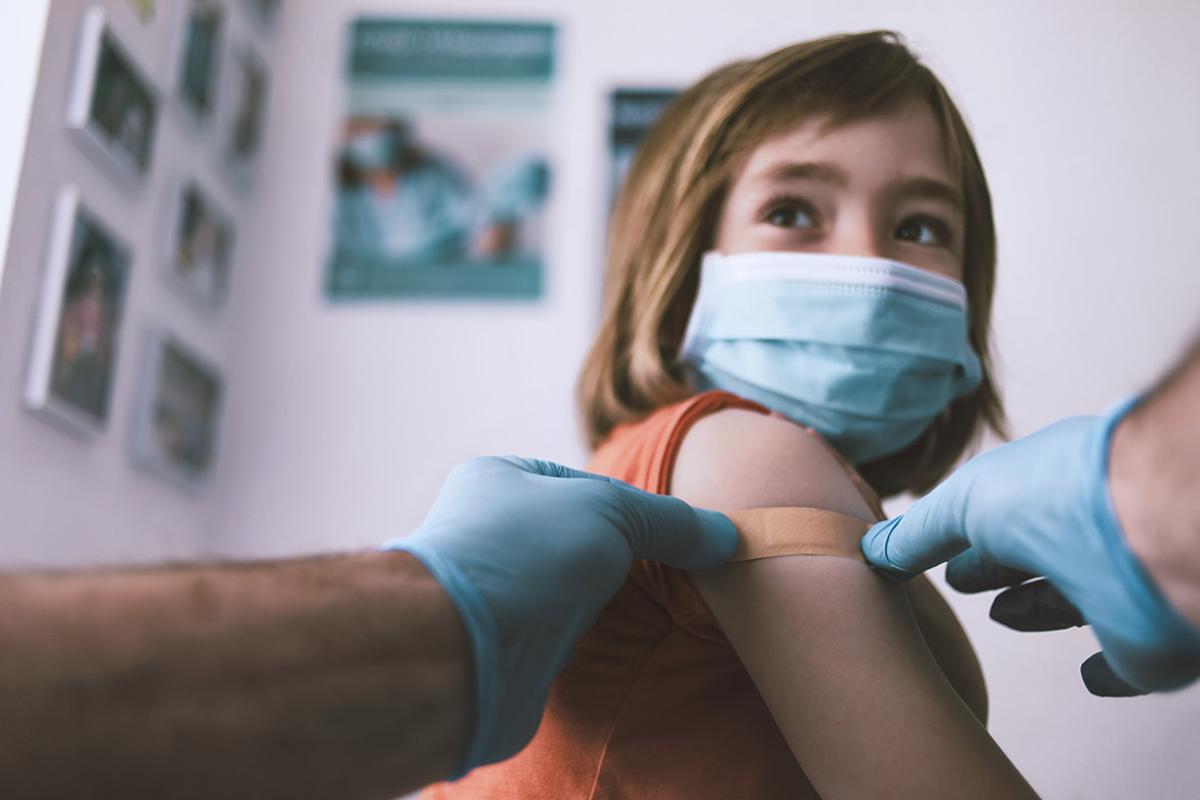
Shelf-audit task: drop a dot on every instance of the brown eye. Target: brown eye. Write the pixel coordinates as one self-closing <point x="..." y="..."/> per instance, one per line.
<point x="938" y="230"/>
<point x="788" y="213"/>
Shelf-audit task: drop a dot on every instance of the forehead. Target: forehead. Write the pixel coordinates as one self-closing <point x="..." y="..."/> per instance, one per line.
<point x="870" y="151"/>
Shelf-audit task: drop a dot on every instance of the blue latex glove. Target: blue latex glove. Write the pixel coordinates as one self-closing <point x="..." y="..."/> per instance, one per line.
<point x="517" y="188"/>
<point x="1042" y="506"/>
<point x="530" y="552"/>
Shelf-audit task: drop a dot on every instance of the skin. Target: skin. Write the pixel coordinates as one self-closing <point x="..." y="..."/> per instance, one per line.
<point x="768" y="210"/>
<point x="344" y="677"/>
<point x="1154" y="469"/>
<point x="815" y="633"/>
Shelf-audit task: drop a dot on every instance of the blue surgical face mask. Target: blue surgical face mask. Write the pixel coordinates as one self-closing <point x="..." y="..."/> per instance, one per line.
<point x="865" y="350"/>
<point x="371" y="150"/>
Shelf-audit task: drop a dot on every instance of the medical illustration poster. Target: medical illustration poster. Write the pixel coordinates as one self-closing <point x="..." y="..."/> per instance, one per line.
<point x="175" y="431"/>
<point x="632" y="112"/>
<point x="441" y="171"/>
<point x="73" y="361"/>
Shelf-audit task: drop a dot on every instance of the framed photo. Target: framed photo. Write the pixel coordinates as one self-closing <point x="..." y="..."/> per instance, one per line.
<point x="175" y="427"/>
<point x="200" y="246"/>
<point x="113" y="107"/>
<point x="144" y="9"/>
<point x="73" y="359"/>
<point x="265" y="13"/>
<point x="246" y="119"/>
<point x="199" y="59"/>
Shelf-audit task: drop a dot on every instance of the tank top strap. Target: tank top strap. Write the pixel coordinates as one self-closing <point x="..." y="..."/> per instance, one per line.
<point x="643" y="453"/>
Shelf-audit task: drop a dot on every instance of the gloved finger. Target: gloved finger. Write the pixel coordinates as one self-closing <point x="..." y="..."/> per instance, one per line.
<point x="1101" y="681"/>
<point x="1035" y="606"/>
<point x="970" y="571"/>
<point x="912" y="542"/>
<point x="551" y="469"/>
<point x="664" y="528"/>
<point x="657" y="527"/>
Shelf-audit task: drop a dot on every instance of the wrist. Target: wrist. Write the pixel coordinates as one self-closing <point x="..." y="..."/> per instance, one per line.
<point x="1151" y="476"/>
<point x="482" y="656"/>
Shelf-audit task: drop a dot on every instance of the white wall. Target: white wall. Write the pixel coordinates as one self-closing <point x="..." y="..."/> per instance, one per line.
<point x="20" y="44"/>
<point x="343" y="419"/>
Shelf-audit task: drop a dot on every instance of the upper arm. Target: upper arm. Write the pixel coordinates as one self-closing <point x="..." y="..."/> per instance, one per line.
<point x="738" y="459"/>
<point x="833" y="649"/>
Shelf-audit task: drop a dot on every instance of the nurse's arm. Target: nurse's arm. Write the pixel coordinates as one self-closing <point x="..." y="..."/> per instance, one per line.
<point x="343" y="676"/>
<point x="833" y="649"/>
<point x="1154" y="471"/>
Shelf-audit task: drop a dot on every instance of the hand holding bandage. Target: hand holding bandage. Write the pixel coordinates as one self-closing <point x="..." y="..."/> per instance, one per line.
<point x="1036" y="518"/>
<point x="529" y="552"/>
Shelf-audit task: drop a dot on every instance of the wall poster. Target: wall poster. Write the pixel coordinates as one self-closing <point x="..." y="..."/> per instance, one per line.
<point x="441" y="173"/>
<point x="632" y="112"/>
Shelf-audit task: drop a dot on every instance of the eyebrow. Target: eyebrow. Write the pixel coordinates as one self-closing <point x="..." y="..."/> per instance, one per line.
<point x="912" y="186"/>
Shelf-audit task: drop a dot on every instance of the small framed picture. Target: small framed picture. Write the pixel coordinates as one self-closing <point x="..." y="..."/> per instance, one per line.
<point x="113" y="107"/>
<point x="265" y="13"/>
<point x="200" y="245"/>
<point x="199" y="59"/>
<point x="175" y="426"/>
<point x="144" y="9"/>
<point x="247" y="112"/>
<point x="73" y="360"/>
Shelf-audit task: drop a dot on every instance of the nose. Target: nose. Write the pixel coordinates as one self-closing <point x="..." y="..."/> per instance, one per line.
<point x="856" y="233"/>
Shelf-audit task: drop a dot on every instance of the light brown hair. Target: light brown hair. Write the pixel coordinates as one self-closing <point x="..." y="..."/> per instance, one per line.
<point x="669" y="205"/>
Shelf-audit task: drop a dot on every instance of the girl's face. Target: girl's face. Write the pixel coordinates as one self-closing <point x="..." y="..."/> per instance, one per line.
<point x="876" y="187"/>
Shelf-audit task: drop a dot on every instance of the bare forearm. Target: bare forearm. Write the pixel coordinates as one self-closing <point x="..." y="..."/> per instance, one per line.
<point x="1155" y="477"/>
<point x="333" y="677"/>
<point x="839" y="659"/>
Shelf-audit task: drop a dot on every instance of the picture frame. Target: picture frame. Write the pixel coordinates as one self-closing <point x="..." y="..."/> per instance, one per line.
<point x="113" y="108"/>
<point x="177" y="416"/>
<point x="199" y="56"/>
<point x="144" y="9"/>
<point x="265" y="13"/>
<point x="198" y="255"/>
<point x="246" y="95"/>
<point x="74" y="350"/>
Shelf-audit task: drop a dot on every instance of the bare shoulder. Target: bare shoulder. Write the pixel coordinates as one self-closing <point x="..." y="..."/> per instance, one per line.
<point x="743" y="459"/>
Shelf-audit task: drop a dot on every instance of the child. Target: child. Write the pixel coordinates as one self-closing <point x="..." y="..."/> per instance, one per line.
<point x="800" y="276"/>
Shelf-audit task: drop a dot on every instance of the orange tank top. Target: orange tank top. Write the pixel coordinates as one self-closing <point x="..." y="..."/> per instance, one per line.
<point x="655" y="704"/>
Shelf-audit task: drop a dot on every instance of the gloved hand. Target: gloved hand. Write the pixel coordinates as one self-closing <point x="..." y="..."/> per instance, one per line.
<point x="1042" y="506"/>
<point x="530" y="552"/>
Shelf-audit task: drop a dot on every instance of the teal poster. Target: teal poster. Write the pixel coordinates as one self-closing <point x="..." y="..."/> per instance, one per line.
<point x="632" y="112"/>
<point x="441" y="170"/>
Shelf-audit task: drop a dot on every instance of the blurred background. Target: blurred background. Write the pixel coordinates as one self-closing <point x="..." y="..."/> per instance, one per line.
<point x="206" y="351"/>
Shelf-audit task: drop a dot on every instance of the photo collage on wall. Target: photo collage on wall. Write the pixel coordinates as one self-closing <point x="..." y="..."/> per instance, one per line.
<point x="118" y="113"/>
<point x="442" y="173"/>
